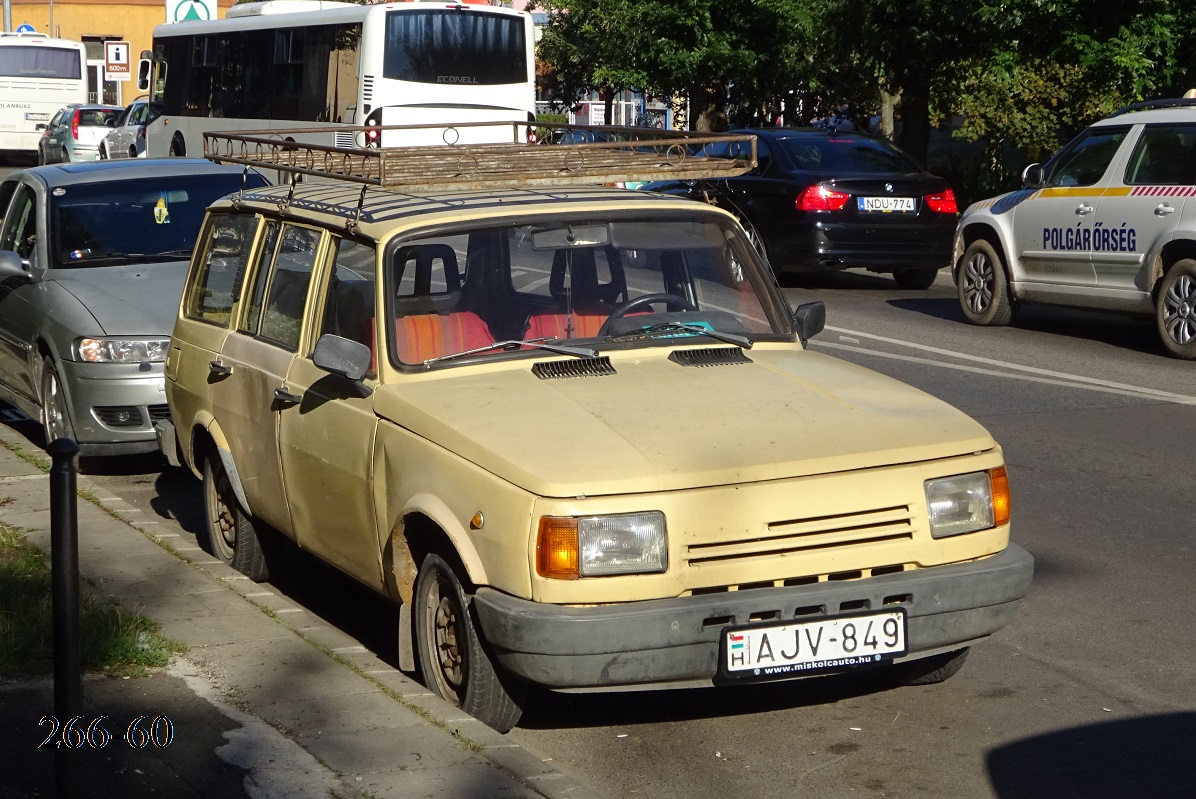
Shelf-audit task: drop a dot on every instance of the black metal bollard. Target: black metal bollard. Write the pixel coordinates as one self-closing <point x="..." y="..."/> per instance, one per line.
<point x="64" y="567"/>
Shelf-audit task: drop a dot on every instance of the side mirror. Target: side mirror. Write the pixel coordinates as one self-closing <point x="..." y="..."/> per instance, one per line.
<point x="1033" y="177"/>
<point x="11" y="265"/>
<point x="809" y="319"/>
<point x="144" y="68"/>
<point x="344" y="357"/>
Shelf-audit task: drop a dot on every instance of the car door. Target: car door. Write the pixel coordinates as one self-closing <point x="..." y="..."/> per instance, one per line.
<point x="255" y="359"/>
<point x="19" y="317"/>
<point x="52" y="146"/>
<point x="1053" y="230"/>
<point x="1142" y="205"/>
<point x="327" y="436"/>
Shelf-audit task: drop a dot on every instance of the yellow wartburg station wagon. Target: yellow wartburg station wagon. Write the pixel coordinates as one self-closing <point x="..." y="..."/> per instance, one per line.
<point x="574" y="432"/>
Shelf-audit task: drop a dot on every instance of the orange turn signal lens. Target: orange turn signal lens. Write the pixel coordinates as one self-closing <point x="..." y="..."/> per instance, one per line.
<point x="1000" y="483"/>
<point x="556" y="548"/>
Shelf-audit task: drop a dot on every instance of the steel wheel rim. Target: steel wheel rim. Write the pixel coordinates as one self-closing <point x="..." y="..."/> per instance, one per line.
<point x="979" y="280"/>
<point x="1179" y="310"/>
<point x="444" y="624"/>
<point x="221" y="517"/>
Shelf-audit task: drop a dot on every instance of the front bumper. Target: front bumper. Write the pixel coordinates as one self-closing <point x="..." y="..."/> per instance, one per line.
<point x="114" y="406"/>
<point x="676" y="641"/>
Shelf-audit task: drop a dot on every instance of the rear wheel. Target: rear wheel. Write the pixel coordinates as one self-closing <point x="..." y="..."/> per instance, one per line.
<point x="1175" y="309"/>
<point x="453" y="658"/>
<point x="984" y="286"/>
<point x="41" y="157"/>
<point x="177" y="149"/>
<point x="103" y="153"/>
<point x="915" y="278"/>
<point x="929" y="671"/>
<point x="229" y="531"/>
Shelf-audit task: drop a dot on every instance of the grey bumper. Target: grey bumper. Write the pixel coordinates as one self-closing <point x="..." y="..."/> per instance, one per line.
<point x="676" y="641"/>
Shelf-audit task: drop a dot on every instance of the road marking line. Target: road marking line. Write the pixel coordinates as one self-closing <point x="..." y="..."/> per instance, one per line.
<point x="1178" y="399"/>
<point x="1019" y="367"/>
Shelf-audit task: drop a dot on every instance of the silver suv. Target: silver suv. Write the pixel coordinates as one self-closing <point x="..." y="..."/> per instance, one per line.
<point x="1107" y="223"/>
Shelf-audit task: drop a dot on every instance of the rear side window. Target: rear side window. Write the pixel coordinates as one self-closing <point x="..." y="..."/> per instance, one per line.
<point x="1165" y="155"/>
<point x="279" y="300"/>
<point x="227" y="244"/>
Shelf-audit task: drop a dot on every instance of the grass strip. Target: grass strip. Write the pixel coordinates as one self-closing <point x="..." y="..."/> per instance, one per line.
<point x="113" y="640"/>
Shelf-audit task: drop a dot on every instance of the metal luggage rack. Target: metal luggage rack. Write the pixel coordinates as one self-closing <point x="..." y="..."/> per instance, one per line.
<point x="622" y="155"/>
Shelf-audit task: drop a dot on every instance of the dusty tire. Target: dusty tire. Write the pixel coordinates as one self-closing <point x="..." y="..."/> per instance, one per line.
<point x="983" y="286"/>
<point x="56" y="416"/>
<point x="452" y="657"/>
<point x="929" y="671"/>
<point x="915" y="278"/>
<point x="229" y="532"/>
<point x="1175" y="309"/>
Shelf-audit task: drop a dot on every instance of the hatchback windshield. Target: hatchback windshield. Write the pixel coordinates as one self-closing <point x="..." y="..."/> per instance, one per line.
<point x="134" y="221"/>
<point x="584" y="282"/>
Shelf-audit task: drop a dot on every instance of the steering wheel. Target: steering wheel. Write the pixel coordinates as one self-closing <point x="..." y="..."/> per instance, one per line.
<point x="669" y="300"/>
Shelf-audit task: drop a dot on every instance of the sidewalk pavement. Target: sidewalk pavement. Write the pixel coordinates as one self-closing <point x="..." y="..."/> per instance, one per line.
<point x="267" y="694"/>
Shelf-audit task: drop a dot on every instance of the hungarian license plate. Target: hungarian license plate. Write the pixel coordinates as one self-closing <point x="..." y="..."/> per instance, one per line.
<point x="887" y="205"/>
<point x="788" y="649"/>
<point x="33" y="116"/>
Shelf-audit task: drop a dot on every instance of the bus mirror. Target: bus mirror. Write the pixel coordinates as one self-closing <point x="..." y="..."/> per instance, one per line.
<point x="143" y="74"/>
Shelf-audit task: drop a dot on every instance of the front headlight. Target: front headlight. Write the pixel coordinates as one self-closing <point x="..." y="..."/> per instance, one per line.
<point x="568" y="547"/>
<point x="967" y="503"/>
<point x="122" y="350"/>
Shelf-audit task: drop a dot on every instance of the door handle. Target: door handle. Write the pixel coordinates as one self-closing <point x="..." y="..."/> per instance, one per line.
<point x="1084" y="209"/>
<point x="1163" y="209"/>
<point x="287" y="398"/>
<point x="219" y="369"/>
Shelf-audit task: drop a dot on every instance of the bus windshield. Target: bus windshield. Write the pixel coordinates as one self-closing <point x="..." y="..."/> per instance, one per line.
<point x="40" y="62"/>
<point x="454" y="47"/>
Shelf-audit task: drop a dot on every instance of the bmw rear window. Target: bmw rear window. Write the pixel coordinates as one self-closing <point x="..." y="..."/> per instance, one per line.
<point x="844" y="153"/>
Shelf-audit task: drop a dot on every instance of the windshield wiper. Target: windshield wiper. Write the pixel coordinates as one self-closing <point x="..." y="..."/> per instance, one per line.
<point x="514" y="344"/>
<point x="654" y="331"/>
<point x="166" y="255"/>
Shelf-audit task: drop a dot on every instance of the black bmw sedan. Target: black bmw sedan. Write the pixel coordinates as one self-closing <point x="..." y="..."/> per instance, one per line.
<point x="821" y="199"/>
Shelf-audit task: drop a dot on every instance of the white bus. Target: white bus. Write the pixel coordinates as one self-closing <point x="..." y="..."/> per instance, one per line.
<point x="38" y="75"/>
<point x="276" y="65"/>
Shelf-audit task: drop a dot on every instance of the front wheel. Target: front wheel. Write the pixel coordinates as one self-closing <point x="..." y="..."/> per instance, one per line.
<point x="984" y="286"/>
<point x="453" y="659"/>
<point x="1175" y="309"/>
<point x="228" y="530"/>
<point x="915" y="278"/>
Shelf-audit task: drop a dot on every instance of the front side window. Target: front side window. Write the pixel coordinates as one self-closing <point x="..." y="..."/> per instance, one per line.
<point x="577" y="280"/>
<point x="20" y="226"/>
<point x="1164" y="155"/>
<point x="134" y="221"/>
<point x="1083" y="162"/>
<point x="454" y="47"/>
<point x="227" y="245"/>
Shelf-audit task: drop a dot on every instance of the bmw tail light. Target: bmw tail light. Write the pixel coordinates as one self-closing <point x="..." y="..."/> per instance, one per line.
<point x="75" y="125"/>
<point x="942" y="203"/>
<point x="822" y="198"/>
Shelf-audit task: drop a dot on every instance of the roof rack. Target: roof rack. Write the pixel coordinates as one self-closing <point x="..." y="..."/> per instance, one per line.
<point x="607" y="155"/>
<point x="1162" y="102"/>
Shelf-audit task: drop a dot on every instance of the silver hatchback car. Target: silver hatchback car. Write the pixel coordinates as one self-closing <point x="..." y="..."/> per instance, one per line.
<point x="92" y="262"/>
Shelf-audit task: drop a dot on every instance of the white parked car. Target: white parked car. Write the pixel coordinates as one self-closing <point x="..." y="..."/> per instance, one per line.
<point x="127" y="138"/>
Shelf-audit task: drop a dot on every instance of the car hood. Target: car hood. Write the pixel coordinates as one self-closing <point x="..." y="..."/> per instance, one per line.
<point x="136" y="300"/>
<point x="659" y="426"/>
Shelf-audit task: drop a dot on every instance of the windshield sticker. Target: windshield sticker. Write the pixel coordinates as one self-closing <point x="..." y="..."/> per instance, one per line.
<point x="1098" y="238"/>
<point x="162" y="211"/>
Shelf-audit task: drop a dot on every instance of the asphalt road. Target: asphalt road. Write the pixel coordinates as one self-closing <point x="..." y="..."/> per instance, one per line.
<point x="1091" y="692"/>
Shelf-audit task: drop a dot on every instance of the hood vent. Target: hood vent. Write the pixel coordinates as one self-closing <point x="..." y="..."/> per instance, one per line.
<point x="574" y="367"/>
<point x="720" y="356"/>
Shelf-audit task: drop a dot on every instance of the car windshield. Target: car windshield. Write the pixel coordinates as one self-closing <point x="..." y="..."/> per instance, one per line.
<point x="846" y="153"/>
<point x="133" y="221"/>
<point x="649" y="281"/>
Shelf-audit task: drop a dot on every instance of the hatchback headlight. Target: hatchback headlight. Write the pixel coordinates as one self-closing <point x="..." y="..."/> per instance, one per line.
<point x="568" y="547"/>
<point x="122" y="350"/>
<point x="967" y="503"/>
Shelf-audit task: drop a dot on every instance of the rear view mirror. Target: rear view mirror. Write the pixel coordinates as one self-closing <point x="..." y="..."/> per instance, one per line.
<point x="144" y="67"/>
<point x="344" y="357"/>
<point x="809" y="319"/>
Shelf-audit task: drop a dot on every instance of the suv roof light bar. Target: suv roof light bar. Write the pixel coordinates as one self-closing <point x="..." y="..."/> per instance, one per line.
<point x="612" y="155"/>
<point x="1162" y="102"/>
